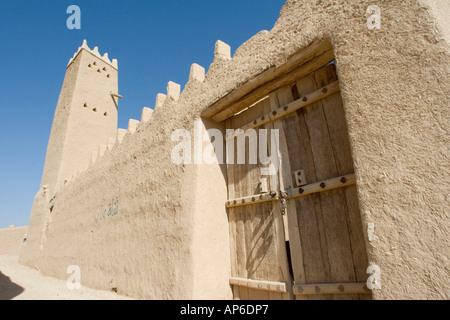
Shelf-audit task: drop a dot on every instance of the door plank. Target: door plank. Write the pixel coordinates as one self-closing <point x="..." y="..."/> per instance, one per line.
<point x="259" y="264"/>
<point x="284" y="96"/>
<point x="254" y="217"/>
<point x="337" y="126"/>
<point x="310" y="215"/>
<point x="270" y="255"/>
<point x="247" y="189"/>
<point x="239" y="173"/>
<point x="332" y="202"/>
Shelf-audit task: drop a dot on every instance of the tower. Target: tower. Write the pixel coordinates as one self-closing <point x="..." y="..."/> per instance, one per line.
<point x="85" y="117"/>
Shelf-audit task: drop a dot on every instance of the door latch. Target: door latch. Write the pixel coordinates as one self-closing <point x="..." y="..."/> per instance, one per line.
<point x="283" y="196"/>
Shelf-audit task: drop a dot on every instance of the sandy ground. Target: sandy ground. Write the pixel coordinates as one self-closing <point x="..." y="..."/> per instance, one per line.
<point x="18" y="282"/>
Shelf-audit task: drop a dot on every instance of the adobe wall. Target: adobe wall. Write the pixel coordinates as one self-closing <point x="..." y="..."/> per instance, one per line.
<point x="394" y="85"/>
<point x="11" y="240"/>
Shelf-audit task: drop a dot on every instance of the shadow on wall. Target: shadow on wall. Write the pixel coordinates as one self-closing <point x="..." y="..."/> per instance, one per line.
<point x="8" y="289"/>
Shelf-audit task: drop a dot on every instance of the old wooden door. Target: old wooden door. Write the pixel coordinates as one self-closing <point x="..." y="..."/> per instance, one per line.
<point x="297" y="234"/>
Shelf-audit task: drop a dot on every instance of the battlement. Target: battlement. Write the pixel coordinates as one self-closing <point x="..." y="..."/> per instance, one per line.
<point x="96" y="53"/>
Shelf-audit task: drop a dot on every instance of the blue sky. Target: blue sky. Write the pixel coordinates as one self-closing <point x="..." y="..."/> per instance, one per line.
<point x="154" y="42"/>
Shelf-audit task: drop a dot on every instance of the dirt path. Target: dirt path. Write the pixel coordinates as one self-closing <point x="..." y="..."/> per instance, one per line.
<point x="18" y="282"/>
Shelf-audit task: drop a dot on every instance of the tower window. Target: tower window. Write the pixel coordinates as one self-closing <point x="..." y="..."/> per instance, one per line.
<point x="85" y="105"/>
<point x="95" y="63"/>
<point x="104" y="69"/>
<point x="95" y="109"/>
<point x="108" y="76"/>
<point x="105" y="114"/>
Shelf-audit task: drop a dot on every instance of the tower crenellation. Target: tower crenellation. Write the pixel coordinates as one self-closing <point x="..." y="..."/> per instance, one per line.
<point x="96" y="53"/>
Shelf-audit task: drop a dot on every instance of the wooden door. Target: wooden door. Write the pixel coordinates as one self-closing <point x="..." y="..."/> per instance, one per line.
<point x="316" y="250"/>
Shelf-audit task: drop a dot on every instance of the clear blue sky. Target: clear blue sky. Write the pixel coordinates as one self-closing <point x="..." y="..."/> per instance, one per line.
<point x="154" y="42"/>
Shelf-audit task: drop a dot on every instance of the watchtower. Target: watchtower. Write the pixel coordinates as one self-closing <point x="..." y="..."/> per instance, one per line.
<point x="85" y="117"/>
